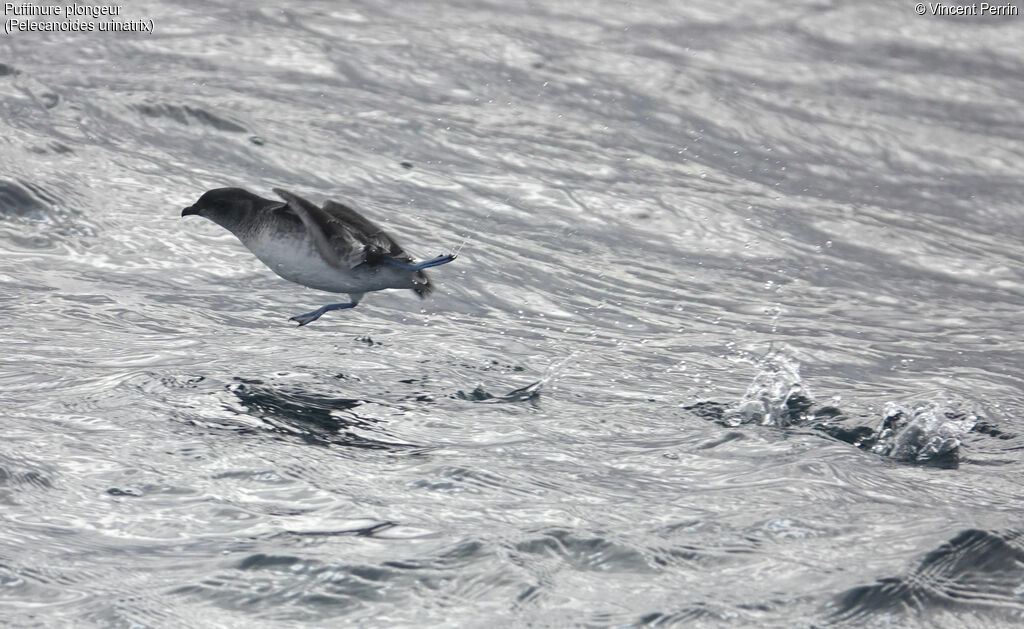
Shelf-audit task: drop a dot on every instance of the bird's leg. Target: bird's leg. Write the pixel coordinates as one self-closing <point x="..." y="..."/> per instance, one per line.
<point x="419" y="266"/>
<point x="313" y="315"/>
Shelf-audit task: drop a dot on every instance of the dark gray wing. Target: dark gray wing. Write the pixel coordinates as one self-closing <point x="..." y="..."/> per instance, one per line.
<point x="336" y="240"/>
<point x="378" y="243"/>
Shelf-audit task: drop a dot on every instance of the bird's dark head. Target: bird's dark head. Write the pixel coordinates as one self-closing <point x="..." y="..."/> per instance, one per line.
<point x="228" y="207"/>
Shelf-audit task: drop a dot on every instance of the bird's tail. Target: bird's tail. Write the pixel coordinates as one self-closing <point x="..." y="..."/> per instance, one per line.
<point x="423" y="286"/>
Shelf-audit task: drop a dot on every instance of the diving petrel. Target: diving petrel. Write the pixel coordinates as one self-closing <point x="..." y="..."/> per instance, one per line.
<point x="330" y="248"/>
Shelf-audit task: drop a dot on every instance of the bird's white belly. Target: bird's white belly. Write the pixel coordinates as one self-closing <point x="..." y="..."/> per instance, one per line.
<point x="297" y="260"/>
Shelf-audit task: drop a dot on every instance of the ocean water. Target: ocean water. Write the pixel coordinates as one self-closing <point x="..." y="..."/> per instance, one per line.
<point x="733" y="338"/>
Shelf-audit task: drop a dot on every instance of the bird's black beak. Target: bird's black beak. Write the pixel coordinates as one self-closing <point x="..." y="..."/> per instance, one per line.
<point x="190" y="210"/>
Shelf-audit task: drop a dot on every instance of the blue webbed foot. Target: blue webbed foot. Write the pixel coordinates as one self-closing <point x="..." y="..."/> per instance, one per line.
<point x="419" y="266"/>
<point x="313" y="315"/>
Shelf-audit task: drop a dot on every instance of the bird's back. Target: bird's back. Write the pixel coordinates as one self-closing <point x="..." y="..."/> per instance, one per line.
<point x="358" y="247"/>
<point x="379" y="244"/>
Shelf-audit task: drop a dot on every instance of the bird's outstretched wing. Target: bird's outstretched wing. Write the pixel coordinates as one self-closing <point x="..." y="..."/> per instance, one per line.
<point x="344" y="238"/>
<point x="378" y="243"/>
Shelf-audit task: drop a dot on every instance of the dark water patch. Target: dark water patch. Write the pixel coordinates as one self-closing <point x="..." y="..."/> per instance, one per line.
<point x="62" y="223"/>
<point x="188" y="115"/>
<point x="721" y="543"/>
<point x="681" y="618"/>
<point x="125" y="492"/>
<point x="370" y="530"/>
<point x="976" y="569"/>
<point x="708" y="410"/>
<point x="52" y="147"/>
<point x="529" y="393"/>
<point x="462" y="554"/>
<point x="678" y="555"/>
<point x="10" y="476"/>
<point x="983" y="427"/>
<point x="9" y="579"/>
<point x="503" y="367"/>
<point x="48" y="99"/>
<point x="317" y="419"/>
<point x="22" y="199"/>
<point x="262" y="562"/>
<point x="493" y="365"/>
<point x="457" y="480"/>
<point x="290" y="404"/>
<point x="16" y="482"/>
<point x="157" y="385"/>
<point x="711" y="556"/>
<point x="178" y="382"/>
<point x="479" y="394"/>
<point x="419" y="396"/>
<point x="39" y="93"/>
<point x="708" y="614"/>
<point x="20" y="581"/>
<point x="720" y="440"/>
<point x="289" y="586"/>
<point x="284" y="587"/>
<point x="7" y="70"/>
<point x="585" y="553"/>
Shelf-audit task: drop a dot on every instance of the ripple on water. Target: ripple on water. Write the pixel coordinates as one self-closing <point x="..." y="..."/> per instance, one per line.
<point x="977" y="569"/>
<point x="298" y="587"/>
<point x="188" y="114"/>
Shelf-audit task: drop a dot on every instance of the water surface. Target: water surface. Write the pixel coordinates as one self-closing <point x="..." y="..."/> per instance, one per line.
<point x="733" y="339"/>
